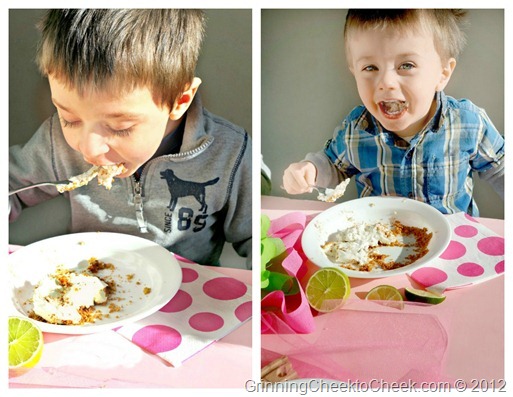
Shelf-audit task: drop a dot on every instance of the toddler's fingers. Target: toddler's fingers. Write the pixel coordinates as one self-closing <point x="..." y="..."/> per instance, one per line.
<point x="290" y="183"/>
<point x="296" y="178"/>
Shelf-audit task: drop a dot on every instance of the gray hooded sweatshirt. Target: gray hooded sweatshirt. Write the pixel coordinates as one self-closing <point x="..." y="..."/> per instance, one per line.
<point x="191" y="202"/>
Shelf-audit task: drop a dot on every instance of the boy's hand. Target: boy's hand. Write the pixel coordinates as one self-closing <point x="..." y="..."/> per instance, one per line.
<point x="299" y="177"/>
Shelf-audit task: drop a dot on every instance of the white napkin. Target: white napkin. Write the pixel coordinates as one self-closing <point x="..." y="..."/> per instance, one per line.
<point x="475" y="254"/>
<point x="207" y="307"/>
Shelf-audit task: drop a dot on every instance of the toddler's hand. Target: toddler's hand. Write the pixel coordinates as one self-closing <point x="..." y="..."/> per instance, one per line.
<point x="298" y="177"/>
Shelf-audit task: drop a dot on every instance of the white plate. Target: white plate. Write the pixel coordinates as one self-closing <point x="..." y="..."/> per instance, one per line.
<point x="374" y="209"/>
<point x="152" y="266"/>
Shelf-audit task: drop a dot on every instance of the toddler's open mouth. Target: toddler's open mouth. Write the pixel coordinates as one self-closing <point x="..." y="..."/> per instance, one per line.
<point x="393" y="109"/>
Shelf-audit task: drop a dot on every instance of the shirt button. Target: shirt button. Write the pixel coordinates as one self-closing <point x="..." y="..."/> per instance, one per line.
<point x="410" y="195"/>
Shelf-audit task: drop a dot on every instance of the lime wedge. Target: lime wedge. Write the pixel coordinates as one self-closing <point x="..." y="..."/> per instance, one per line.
<point x="418" y="295"/>
<point x="25" y="344"/>
<point x="388" y="295"/>
<point x="327" y="289"/>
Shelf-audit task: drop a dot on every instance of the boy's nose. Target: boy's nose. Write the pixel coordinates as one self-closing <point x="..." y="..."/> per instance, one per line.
<point x="93" y="144"/>
<point x="388" y="80"/>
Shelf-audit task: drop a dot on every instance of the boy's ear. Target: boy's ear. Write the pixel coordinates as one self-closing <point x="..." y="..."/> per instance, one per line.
<point x="185" y="100"/>
<point x="447" y="70"/>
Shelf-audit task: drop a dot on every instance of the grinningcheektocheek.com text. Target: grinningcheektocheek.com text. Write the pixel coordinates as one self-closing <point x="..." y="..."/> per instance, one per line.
<point x="305" y="386"/>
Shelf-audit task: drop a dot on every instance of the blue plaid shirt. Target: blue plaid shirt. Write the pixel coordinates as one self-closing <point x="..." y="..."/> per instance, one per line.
<point x="436" y="166"/>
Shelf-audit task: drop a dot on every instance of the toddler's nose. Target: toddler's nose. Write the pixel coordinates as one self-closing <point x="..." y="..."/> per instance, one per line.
<point x="388" y="80"/>
<point x="93" y="144"/>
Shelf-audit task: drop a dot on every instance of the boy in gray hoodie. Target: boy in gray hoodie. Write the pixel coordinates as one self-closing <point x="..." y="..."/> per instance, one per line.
<point x="123" y="84"/>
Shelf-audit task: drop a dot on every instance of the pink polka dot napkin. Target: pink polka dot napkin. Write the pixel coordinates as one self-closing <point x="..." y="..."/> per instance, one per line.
<point x="475" y="254"/>
<point x="207" y="307"/>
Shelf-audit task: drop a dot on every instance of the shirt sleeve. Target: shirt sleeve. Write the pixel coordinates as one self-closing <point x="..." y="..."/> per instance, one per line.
<point x="495" y="177"/>
<point x="488" y="159"/>
<point x="31" y="163"/>
<point x="332" y="162"/>
<point x="490" y="147"/>
<point x="238" y="225"/>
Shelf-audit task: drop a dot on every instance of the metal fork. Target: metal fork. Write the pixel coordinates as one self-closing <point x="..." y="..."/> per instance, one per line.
<point x="320" y="190"/>
<point x="21" y="189"/>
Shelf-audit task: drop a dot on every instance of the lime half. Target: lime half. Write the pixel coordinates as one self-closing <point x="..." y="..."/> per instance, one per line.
<point x="418" y="295"/>
<point x="25" y="344"/>
<point x="387" y="295"/>
<point x="327" y="289"/>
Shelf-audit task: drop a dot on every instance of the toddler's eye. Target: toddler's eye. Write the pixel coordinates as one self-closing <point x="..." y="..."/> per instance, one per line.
<point x="123" y="132"/>
<point x="407" y="66"/>
<point x="369" y="68"/>
<point x="69" y="124"/>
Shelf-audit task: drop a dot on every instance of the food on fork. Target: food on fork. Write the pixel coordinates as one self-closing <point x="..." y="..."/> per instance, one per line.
<point x="105" y="174"/>
<point x="331" y="195"/>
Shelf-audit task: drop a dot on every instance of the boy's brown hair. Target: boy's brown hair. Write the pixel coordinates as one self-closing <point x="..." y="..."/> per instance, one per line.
<point x="446" y="25"/>
<point x="122" y="49"/>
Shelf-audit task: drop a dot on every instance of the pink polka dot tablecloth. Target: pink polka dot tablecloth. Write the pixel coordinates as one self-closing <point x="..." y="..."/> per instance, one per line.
<point x="475" y="254"/>
<point x="207" y="307"/>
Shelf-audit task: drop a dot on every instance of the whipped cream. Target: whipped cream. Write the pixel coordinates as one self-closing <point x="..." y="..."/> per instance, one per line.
<point x="354" y="244"/>
<point x="61" y="297"/>
<point x="362" y="246"/>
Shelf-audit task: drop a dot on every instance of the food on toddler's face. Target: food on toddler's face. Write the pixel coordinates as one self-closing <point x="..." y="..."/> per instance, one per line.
<point x="331" y="195"/>
<point x="362" y="246"/>
<point x="105" y="174"/>
<point x="393" y="107"/>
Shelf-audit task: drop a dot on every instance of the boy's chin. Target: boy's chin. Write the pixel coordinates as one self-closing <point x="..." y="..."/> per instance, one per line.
<point x="127" y="174"/>
<point x="397" y="126"/>
<point x="129" y="171"/>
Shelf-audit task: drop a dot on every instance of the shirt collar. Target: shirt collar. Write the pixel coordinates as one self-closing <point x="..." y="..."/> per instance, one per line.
<point x="441" y="109"/>
<point x="170" y="144"/>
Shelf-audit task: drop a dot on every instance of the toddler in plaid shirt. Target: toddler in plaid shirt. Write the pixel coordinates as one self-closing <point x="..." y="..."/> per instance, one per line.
<point x="409" y="138"/>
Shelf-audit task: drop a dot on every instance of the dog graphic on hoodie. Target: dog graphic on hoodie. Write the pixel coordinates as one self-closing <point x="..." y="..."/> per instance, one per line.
<point x="181" y="188"/>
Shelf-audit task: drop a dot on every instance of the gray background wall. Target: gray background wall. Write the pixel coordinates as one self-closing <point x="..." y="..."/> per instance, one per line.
<point x="225" y="67"/>
<point x="307" y="88"/>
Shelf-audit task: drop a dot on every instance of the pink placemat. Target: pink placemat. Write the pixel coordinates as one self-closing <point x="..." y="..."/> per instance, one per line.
<point x="475" y="254"/>
<point x="207" y="307"/>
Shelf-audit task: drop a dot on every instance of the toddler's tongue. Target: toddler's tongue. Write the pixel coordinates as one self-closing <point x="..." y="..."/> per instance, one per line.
<point x="393" y="107"/>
